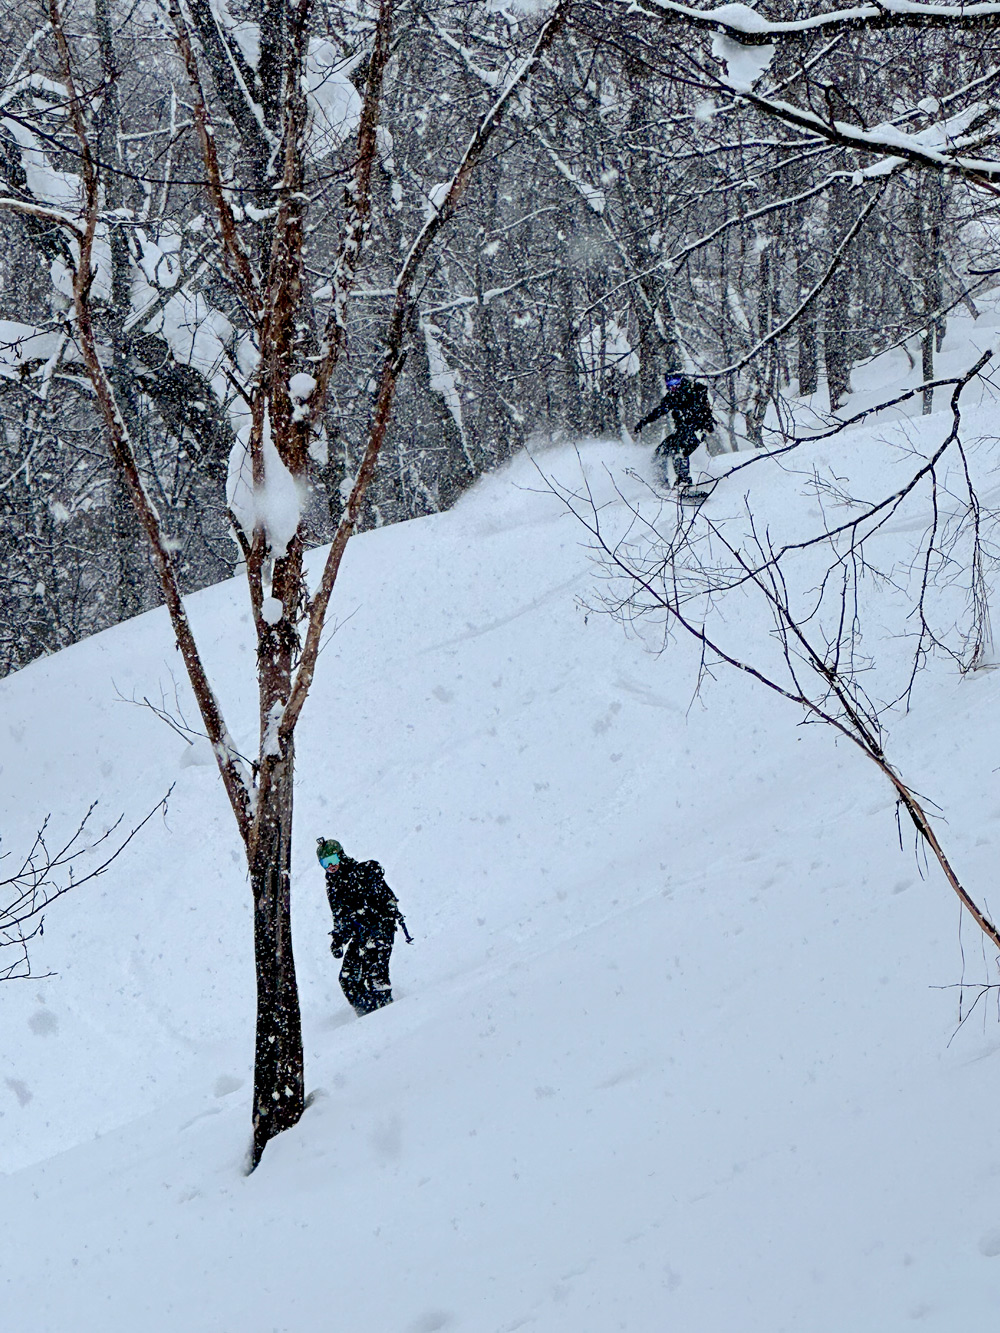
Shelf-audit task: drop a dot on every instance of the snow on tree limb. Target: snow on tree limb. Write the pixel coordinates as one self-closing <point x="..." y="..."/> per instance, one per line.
<point x="748" y="27"/>
<point x="939" y="146"/>
<point x="395" y="356"/>
<point x="43" y="212"/>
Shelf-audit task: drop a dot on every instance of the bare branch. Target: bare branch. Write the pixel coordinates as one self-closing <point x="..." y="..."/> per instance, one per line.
<point x="44" y="876"/>
<point x="123" y="454"/>
<point x="395" y="356"/>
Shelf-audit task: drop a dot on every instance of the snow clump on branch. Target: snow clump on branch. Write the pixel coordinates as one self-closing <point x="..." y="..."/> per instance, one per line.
<point x="276" y="506"/>
<point x="744" y="64"/>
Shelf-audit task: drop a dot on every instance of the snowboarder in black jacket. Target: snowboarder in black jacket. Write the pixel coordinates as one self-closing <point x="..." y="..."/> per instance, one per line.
<point x="687" y="403"/>
<point x="365" y="913"/>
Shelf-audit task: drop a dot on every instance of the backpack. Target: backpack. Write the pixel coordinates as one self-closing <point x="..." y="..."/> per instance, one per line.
<point x="377" y="893"/>
<point x="689" y="403"/>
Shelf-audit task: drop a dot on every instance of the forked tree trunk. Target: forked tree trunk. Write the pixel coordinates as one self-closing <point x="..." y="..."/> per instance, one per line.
<point x="262" y="803"/>
<point x="278" y="1094"/>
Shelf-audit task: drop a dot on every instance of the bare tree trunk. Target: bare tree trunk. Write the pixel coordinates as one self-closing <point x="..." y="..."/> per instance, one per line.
<point x="808" y="343"/>
<point x="929" y="251"/>
<point x="569" y="352"/>
<point x="278" y="1094"/>
<point x="838" y="343"/>
<point x="130" y="562"/>
<point x="129" y="551"/>
<point x="927" y="368"/>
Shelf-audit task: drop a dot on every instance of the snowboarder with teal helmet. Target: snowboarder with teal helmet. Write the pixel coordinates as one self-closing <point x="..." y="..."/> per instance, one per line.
<point x="365" y="913"/>
<point x="686" y="403"/>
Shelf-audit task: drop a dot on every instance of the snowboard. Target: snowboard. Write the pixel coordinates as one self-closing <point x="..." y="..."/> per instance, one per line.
<point x="692" y="497"/>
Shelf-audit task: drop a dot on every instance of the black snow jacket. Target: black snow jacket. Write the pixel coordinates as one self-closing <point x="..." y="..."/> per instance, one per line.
<point x="363" y="906"/>
<point x="689" y="405"/>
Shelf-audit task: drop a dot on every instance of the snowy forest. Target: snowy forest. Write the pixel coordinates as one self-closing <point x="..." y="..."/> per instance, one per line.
<point x="329" y="335"/>
<point x="663" y="192"/>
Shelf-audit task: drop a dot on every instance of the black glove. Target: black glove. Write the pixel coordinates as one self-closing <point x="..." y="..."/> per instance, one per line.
<point x="337" y="950"/>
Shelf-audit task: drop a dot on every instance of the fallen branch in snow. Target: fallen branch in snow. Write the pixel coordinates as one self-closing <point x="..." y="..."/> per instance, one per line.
<point x="841" y="702"/>
<point x="45" y="875"/>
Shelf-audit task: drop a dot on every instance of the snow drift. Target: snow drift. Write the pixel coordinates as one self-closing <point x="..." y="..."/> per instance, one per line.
<point x="665" y="1055"/>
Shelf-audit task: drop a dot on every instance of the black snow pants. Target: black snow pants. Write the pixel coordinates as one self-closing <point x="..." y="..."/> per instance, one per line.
<point x="364" y="977"/>
<point x="677" y="449"/>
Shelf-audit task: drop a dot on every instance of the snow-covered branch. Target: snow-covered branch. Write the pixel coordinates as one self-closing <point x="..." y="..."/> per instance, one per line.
<point x="43" y="212"/>
<point x="395" y="354"/>
<point x="745" y="25"/>
<point x="940" y="146"/>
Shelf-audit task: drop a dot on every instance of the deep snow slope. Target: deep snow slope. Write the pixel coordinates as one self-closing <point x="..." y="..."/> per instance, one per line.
<point x="665" y="1054"/>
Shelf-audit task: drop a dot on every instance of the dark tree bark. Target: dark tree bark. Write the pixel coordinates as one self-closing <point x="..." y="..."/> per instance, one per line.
<point x="808" y="354"/>
<point x="279" y="1092"/>
<point x="130" y="557"/>
<point x="930" y="202"/>
<point x="837" y="332"/>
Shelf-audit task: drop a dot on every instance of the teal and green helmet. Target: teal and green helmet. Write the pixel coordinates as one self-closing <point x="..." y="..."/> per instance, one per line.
<point x="329" y="852"/>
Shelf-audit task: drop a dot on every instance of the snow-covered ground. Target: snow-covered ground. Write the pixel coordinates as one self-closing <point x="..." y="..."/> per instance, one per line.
<point x="892" y="373"/>
<point x="667" y="1053"/>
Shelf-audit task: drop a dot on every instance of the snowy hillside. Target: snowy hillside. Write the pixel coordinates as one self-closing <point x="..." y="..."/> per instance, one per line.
<point x="666" y="1054"/>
